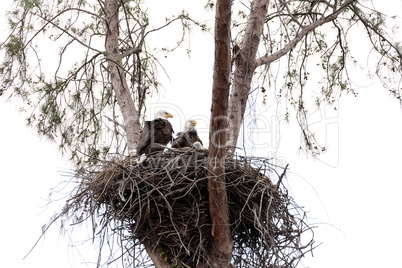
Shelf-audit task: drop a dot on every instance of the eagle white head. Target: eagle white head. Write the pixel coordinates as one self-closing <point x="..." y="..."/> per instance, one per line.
<point x="190" y="124"/>
<point x="163" y="114"/>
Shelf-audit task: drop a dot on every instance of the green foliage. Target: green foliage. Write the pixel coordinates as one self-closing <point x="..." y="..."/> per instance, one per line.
<point x="69" y="100"/>
<point x="68" y="92"/>
<point x="316" y="70"/>
<point x="14" y="46"/>
<point x="30" y="4"/>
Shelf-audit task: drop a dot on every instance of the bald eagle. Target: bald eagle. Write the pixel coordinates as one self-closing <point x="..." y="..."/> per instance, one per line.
<point x="189" y="137"/>
<point x="157" y="131"/>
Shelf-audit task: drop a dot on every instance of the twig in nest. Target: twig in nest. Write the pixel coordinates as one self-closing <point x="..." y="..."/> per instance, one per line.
<point x="281" y="177"/>
<point x="163" y="201"/>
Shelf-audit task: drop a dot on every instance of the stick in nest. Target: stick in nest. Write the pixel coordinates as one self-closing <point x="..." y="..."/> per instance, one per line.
<point x="164" y="201"/>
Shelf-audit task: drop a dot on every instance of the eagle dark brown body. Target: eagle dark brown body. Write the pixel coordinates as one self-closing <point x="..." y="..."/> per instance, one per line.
<point x="158" y="131"/>
<point x="186" y="139"/>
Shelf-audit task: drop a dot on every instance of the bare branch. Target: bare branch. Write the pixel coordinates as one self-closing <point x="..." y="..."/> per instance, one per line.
<point x="130" y="52"/>
<point x="114" y="121"/>
<point x="304" y="31"/>
<point x="66" y="32"/>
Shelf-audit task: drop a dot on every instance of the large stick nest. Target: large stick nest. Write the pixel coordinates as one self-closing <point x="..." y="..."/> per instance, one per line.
<point x="163" y="203"/>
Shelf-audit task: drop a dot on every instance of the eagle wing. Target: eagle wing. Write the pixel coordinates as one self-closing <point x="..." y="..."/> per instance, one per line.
<point x="192" y="137"/>
<point x="186" y="139"/>
<point x="177" y="142"/>
<point x="163" y="131"/>
<point x="145" y="140"/>
<point x="155" y="131"/>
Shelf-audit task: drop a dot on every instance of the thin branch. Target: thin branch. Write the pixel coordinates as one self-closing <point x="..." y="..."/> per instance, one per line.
<point x="66" y="32"/>
<point x="114" y="121"/>
<point x="282" y="176"/>
<point x="368" y="27"/>
<point x="305" y="30"/>
<point x="50" y="21"/>
<point x="130" y="51"/>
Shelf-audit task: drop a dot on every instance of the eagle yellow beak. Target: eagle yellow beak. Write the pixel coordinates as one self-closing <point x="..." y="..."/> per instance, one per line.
<point x="169" y="115"/>
<point x="194" y="123"/>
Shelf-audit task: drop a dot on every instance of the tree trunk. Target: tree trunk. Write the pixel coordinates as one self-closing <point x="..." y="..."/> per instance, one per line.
<point x="245" y="66"/>
<point x="246" y="61"/>
<point x="123" y="96"/>
<point x="222" y="243"/>
<point x="118" y="77"/>
<point x="157" y="258"/>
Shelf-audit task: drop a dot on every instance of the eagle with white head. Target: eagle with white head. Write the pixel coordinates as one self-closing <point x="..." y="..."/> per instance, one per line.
<point x="155" y="133"/>
<point x="189" y="137"/>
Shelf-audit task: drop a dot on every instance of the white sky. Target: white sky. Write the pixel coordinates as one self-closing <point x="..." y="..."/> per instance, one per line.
<point x="352" y="193"/>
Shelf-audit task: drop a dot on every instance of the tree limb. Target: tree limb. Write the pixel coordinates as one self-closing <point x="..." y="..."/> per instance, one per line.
<point x="65" y="31"/>
<point x="118" y="77"/>
<point x="243" y="74"/>
<point x="130" y="51"/>
<point x="114" y="121"/>
<point x="304" y="31"/>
